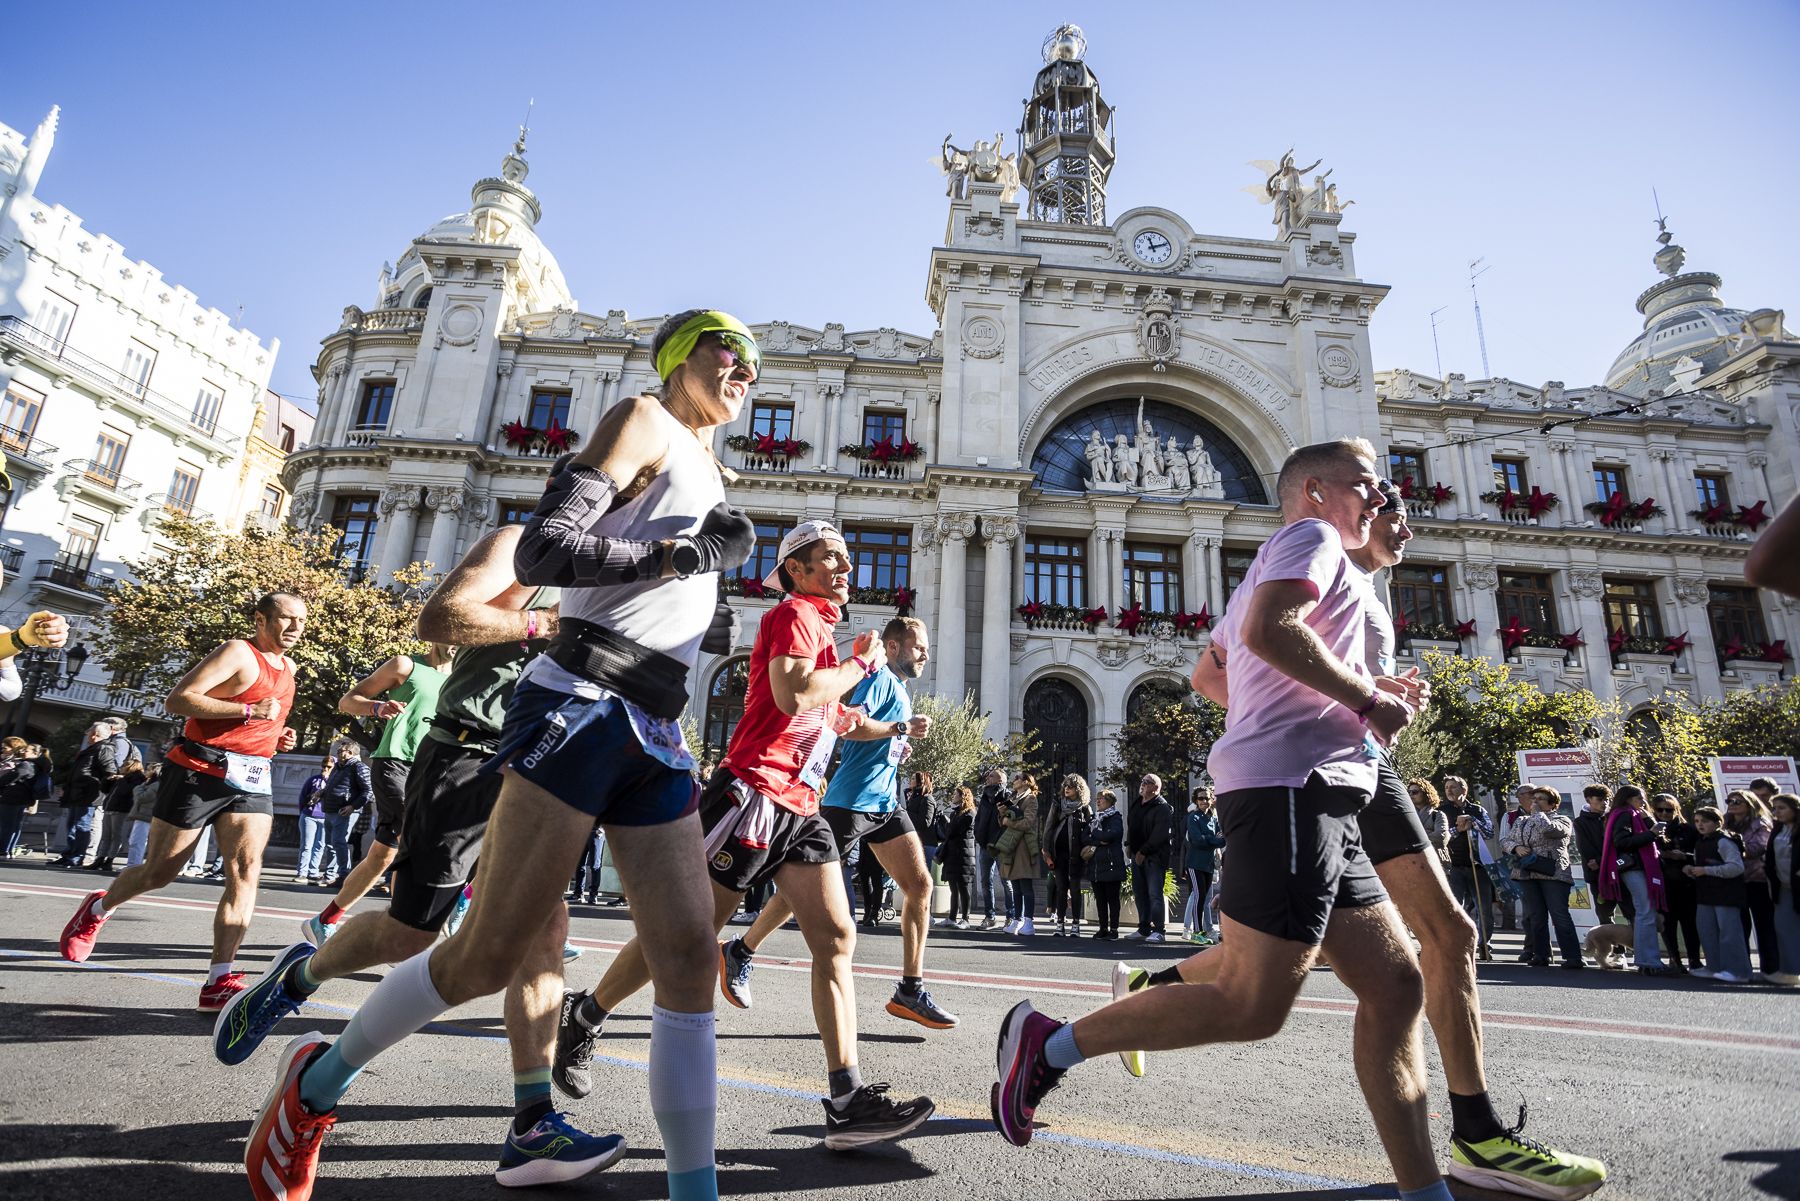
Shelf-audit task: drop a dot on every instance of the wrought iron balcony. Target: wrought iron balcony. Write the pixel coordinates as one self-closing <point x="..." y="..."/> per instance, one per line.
<point x="12" y="558"/>
<point x="69" y="574"/>
<point x="25" y="450"/>
<point x="105" y="477"/>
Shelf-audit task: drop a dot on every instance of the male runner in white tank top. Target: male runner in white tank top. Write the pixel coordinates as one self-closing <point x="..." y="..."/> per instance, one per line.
<point x="635" y="531"/>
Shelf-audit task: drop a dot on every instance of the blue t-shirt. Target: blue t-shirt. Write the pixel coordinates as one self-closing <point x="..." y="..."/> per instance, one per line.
<point x="868" y="772"/>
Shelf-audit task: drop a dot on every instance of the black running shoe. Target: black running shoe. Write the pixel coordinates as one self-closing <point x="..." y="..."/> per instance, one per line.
<point x="871" y="1116"/>
<point x="574" y="1051"/>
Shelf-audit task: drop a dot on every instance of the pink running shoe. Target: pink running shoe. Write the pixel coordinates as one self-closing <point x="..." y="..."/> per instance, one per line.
<point x="1025" y="1075"/>
<point x="215" y="996"/>
<point x="78" y="936"/>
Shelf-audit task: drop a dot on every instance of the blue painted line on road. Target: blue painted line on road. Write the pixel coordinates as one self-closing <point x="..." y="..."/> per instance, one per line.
<point x="1136" y="1151"/>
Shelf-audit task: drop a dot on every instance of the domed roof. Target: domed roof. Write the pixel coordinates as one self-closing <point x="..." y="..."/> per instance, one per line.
<point x="1683" y="319"/>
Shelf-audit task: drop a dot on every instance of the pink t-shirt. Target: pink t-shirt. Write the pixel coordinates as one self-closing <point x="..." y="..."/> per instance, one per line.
<point x="1277" y="730"/>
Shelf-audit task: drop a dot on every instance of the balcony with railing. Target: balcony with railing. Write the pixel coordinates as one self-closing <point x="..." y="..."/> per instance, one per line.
<point x="767" y="464"/>
<point x="72" y="576"/>
<point x="366" y="434"/>
<point x="135" y="392"/>
<point x="12" y="559"/>
<point x="103" y="482"/>
<point x="26" y="451"/>
<point x="389" y="321"/>
<point x="876" y="469"/>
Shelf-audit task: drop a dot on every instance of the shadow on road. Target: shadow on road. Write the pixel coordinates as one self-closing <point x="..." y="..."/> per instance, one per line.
<point x="1782" y="1179"/>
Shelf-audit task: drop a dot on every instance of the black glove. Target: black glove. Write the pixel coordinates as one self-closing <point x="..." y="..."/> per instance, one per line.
<point x="724" y="540"/>
<point x="722" y="634"/>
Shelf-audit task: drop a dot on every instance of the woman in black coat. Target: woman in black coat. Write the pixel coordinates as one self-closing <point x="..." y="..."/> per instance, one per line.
<point x="1106" y="861"/>
<point x="956" y="854"/>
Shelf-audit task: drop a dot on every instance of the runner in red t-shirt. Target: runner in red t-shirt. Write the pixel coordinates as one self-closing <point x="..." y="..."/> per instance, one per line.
<point x="237" y="701"/>
<point x="760" y="811"/>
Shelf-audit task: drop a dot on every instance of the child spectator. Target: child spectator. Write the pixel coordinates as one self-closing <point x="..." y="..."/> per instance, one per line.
<point x="1718" y="875"/>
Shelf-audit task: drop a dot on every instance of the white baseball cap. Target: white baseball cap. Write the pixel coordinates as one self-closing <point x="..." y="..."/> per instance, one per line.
<point x="799" y="536"/>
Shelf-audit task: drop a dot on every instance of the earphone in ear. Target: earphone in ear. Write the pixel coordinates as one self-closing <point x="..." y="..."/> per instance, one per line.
<point x="1316" y="497"/>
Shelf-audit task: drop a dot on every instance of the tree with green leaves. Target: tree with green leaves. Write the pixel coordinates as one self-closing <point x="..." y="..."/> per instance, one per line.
<point x="196" y="590"/>
<point x="1170" y="735"/>
<point x="1759" y="721"/>
<point x="953" y="753"/>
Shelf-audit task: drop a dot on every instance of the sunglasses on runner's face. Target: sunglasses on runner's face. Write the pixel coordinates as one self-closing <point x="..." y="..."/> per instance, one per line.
<point x="741" y="350"/>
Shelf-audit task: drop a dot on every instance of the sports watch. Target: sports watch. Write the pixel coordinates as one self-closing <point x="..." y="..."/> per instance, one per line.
<point x="684" y="557"/>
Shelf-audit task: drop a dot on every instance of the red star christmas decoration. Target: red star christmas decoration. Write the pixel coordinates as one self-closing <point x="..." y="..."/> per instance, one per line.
<point x="1441" y="493"/>
<point x="908" y="449"/>
<point x="1509" y="500"/>
<point x="517" y="434"/>
<point x="1408" y="490"/>
<point x="1644" y="508"/>
<point x="1512" y="634"/>
<point x="1715" y="514"/>
<point x="1615" y="510"/>
<point x="1184" y="621"/>
<point x="558" y="438"/>
<point x="1094" y="616"/>
<point x="793" y="448"/>
<point x="1676" y="644"/>
<point x="1751" y="516"/>
<point x="1776" y="652"/>
<point x="766" y="445"/>
<point x="883" y="450"/>
<point x="1031" y="610"/>
<point x="1569" y="642"/>
<point x="1733" y="649"/>
<point x="904" y="599"/>
<point x="1193" y="621"/>
<point x="1401" y="625"/>
<point x="1539" y="503"/>
<point x="1130" y="619"/>
<point x="1615" y="641"/>
<point x="1466" y="629"/>
<point x="753" y="587"/>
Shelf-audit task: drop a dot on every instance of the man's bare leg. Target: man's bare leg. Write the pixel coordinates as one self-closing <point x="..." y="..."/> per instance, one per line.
<point x="534" y="997"/>
<point x="904" y="860"/>
<point x="165" y="854"/>
<point x="630" y="970"/>
<point x="1372" y="955"/>
<point x="773" y="916"/>
<point x="815" y="891"/>
<point x="364" y="875"/>
<point x="242" y="837"/>
<point x="365" y="941"/>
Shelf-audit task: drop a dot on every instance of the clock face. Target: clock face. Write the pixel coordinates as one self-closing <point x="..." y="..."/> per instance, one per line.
<point x="1153" y="248"/>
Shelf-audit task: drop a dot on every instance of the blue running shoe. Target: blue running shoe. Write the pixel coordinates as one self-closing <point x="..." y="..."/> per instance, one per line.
<point x="457" y="914"/>
<point x="249" y="1016"/>
<point x="316" y="931"/>
<point x="571" y="952"/>
<point x="553" y="1151"/>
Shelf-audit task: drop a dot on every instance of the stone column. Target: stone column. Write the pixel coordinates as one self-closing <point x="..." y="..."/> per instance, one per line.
<point x="954" y="531"/>
<point x="441" y="550"/>
<point x="1586" y="587"/>
<point x="1000" y="533"/>
<point x="934" y="412"/>
<point x="1484" y="607"/>
<point x="1673" y="499"/>
<point x="1691" y="594"/>
<point x="1215" y="577"/>
<point x="1565" y="482"/>
<point x="399" y="521"/>
<point x="1106" y="589"/>
<point x="1192" y="581"/>
<point x="927" y="582"/>
<point x="825" y="443"/>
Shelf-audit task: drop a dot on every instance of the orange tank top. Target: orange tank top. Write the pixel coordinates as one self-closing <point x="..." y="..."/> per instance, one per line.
<point x="246" y="737"/>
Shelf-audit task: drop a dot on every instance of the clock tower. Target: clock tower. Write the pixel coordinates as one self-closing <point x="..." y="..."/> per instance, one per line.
<point x="1066" y="138"/>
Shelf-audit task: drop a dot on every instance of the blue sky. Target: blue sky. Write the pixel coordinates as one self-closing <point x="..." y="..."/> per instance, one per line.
<point x="776" y="160"/>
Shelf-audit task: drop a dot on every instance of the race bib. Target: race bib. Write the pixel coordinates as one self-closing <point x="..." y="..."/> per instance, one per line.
<point x="899" y="751"/>
<point x="812" y="772"/>
<point x="246" y="773"/>
<point x="660" y="737"/>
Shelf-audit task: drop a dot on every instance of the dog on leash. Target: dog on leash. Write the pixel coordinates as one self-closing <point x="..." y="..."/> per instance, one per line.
<point x="1609" y="945"/>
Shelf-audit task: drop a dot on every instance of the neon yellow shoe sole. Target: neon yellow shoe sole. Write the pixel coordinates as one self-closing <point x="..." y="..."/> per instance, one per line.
<point x="1519" y="1165"/>
<point x="1127" y="980"/>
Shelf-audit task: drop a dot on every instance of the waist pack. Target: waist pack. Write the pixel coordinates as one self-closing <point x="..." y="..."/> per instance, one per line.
<point x="648" y="679"/>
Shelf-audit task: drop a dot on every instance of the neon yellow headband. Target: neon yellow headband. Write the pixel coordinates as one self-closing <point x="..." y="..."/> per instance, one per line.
<point x="734" y="333"/>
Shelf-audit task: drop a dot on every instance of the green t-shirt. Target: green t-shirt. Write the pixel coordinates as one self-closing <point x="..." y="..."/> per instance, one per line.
<point x="419" y="692"/>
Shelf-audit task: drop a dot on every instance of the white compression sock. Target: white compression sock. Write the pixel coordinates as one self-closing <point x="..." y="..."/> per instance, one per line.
<point x="218" y="972"/>
<point x="404" y="1002"/>
<point x="684" y="1096"/>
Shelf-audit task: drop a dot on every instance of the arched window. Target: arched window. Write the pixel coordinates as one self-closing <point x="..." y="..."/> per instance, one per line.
<point x="1060" y="463"/>
<point x="423" y="299"/>
<point x="1057" y="713"/>
<point x="724" y="707"/>
<point x="1156" y="691"/>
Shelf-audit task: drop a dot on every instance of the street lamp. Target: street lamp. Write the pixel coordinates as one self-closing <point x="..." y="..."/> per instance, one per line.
<point x="44" y="669"/>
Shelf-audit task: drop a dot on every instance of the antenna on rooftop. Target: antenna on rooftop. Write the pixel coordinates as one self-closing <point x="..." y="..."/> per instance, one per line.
<point x="1480" y="334"/>
<point x="1435" y="351"/>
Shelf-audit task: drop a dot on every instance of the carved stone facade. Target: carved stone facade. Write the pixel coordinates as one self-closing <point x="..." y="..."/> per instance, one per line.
<point x="1100" y="411"/>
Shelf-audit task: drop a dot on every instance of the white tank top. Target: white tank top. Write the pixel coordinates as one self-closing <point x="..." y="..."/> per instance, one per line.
<point x="667" y="615"/>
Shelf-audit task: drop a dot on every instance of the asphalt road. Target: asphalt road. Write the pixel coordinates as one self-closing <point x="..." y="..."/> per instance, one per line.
<point x="108" y="1088"/>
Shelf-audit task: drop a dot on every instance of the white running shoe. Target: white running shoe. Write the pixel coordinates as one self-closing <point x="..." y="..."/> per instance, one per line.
<point x="1132" y="935"/>
<point x="1154" y="936"/>
<point x="961" y="923"/>
<point x="1730" y="978"/>
<point x="1026" y="929"/>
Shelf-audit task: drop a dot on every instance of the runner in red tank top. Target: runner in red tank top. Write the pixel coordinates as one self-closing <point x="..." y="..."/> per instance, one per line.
<point x="237" y="701"/>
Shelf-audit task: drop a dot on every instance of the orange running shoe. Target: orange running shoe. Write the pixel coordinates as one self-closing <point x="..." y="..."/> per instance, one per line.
<point x="282" y="1155"/>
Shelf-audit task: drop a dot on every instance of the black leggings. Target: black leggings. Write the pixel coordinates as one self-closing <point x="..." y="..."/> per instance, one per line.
<point x="1106" y="900"/>
<point x="1760" y="914"/>
<point x="1065" y="896"/>
<point x="960" y="887"/>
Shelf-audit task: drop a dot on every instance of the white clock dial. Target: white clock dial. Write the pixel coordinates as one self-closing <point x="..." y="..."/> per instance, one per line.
<point x="1153" y="248"/>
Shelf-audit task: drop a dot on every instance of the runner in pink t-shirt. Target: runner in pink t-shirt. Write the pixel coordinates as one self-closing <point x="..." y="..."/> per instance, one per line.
<point x="1293" y="769"/>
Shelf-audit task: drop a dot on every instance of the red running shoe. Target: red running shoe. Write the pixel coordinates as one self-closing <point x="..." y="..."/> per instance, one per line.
<point x="78" y="936"/>
<point x="215" y="996"/>
<point x="1025" y="1075"/>
<point x="282" y="1155"/>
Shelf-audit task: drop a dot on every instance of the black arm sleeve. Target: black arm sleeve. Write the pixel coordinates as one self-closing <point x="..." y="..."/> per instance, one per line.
<point x="558" y="547"/>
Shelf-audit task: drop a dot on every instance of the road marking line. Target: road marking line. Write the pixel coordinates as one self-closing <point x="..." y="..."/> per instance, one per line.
<point x="770" y="1087"/>
<point x="1053" y="986"/>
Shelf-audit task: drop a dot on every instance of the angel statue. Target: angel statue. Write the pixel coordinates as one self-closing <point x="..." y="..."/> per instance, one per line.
<point x="1282" y="185"/>
<point x="955" y="164"/>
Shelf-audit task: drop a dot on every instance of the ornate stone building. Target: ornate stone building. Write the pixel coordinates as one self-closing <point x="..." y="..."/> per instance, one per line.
<point x="122" y="397"/>
<point x="1067" y="477"/>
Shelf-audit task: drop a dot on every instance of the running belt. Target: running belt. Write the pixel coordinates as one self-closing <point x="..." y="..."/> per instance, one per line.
<point x="651" y="680"/>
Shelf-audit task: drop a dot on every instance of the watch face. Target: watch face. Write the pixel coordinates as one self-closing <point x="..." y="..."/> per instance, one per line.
<point x="1153" y="248"/>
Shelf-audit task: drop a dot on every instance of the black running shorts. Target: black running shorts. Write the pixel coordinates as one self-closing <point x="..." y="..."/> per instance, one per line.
<point x="188" y="799"/>
<point x="389" y="779"/>
<point x="749" y="837"/>
<point x="448" y="802"/>
<point x="1389" y="823"/>
<point x="1295" y="854"/>
<point x="853" y="826"/>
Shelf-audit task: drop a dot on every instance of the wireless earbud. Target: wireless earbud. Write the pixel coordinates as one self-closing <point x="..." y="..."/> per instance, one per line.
<point x="1316" y="497"/>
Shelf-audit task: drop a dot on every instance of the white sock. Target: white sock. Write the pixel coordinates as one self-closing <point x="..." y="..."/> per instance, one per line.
<point x="98" y="908"/>
<point x="684" y="1093"/>
<point x="218" y="972"/>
